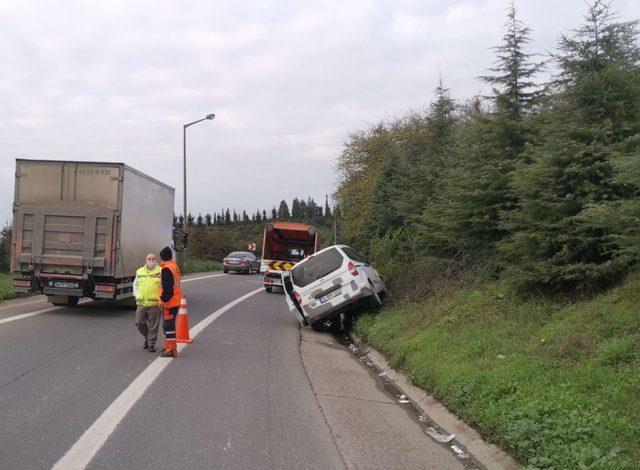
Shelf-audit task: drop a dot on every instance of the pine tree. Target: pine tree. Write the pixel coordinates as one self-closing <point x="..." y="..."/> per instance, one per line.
<point x="190" y="220"/>
<point x="327" y="208"/>
<point x="512" y="81"/>
<point x="208" y="220"/>
<point x="283" y="211"/>
<point x="274" y="213"/>
<point x="227" y="217"/>
<point x="245" y="216"/>
<point x="180" y="221"/>
<point x="258" y="216"/>
<point x="295" y="210"/>
<point x="264" y="215"/>
<point x="577" y="203"/>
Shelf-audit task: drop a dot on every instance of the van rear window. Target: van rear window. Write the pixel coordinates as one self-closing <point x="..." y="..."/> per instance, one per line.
<point x="316" y="267"/>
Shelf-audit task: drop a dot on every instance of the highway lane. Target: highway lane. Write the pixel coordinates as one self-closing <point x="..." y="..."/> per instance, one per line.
<point x="62" y="368"/>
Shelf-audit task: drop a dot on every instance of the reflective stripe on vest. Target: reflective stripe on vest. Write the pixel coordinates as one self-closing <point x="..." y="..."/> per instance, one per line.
<point x="148" y="291"/>
<point x="175" y="300"/>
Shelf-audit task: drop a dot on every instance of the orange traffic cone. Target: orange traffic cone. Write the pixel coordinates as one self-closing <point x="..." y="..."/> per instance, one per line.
<point x="182" y="326"/>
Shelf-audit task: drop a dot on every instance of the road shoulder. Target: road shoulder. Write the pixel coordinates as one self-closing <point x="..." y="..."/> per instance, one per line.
<point x="371" y="427"/>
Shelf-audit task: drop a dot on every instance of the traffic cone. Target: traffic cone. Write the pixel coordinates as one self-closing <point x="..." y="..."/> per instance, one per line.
<point x="182" y="325"/>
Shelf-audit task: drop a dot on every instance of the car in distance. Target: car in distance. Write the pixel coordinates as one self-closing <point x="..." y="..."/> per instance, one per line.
<point x="241" y="261"/>
<point x="331" y="282"/>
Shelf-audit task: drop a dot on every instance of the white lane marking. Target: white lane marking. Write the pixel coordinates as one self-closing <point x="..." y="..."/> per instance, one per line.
<point x="20" y="304"/>
<point x="38" y="312"/>
<point x="27" y="315"/>
<point x="81" y="453"/>
<point x="201" y="277"/>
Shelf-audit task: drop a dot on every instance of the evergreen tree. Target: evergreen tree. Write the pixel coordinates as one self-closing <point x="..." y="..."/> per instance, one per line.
<point x="199" y="220"/>
<point x="327" y="208"/>
<point x="514" y="90"/>
<point x="180" y="221"/>
<point x="227" y="217"/>
<point x="208" y="219"/>
<point x="235" y="215"/>
<point x="258" y="216"/>
<point x="577" y="202"/>
<point x="304" y="209"/>
<point x="283" y="211"/>
<point x="190" y="220"/>
<point x="295" y="210"/>
<point x="245" y="216"/>
<point x="175" y="221"/>
<point x="274" y="213"/>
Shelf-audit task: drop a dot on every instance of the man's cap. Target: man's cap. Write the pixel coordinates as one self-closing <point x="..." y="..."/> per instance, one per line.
<point x="166" y="254"/>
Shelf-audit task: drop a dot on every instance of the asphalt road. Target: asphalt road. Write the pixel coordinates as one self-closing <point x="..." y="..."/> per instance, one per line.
<point x="238" y="397"/>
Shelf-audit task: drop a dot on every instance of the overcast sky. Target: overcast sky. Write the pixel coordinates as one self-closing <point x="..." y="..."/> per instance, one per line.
<point x="288" y="81"/>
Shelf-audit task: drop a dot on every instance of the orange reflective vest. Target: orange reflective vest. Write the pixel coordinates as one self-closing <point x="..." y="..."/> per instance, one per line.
<point x="175" y="300"/>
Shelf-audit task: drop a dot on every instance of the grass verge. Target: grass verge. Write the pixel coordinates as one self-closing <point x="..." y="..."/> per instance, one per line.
<point x="200" y="265"/>
<point x="5" y="287"/>
<point x="557" y="385"/>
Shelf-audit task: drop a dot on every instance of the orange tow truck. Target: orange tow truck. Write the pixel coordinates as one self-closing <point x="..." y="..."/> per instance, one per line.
<point x="284" y="244"/>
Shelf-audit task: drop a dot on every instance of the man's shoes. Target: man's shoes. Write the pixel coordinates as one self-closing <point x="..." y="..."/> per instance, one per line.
<point x="145" y="345"/>
<point x="152" y="348"/>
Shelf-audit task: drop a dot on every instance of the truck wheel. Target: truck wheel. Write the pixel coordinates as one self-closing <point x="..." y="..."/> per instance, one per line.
<point x="269" y="289"/>
<point x="73" y="301"/>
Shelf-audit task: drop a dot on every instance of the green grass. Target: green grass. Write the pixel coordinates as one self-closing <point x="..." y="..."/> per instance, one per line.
<point x="5" y="287"/>
<point x="200" y="265"/>
<point x="557" y="385"/>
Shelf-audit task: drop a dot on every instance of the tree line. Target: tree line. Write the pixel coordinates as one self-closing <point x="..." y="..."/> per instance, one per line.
<point x="301" y="210"/>
<point x="537" y="183"/>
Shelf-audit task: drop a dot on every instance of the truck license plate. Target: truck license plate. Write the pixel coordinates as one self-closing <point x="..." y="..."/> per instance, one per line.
<point x="330" y="295"/>
<point x="64" y="284"/>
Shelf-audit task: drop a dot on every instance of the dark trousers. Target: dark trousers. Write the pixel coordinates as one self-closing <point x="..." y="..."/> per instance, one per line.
<point x="169" y="322"/>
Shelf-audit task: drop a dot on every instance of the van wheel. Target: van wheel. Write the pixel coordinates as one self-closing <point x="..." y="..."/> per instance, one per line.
<point x="317" y="326"/>
<point x="376" y="301"/>
<point x="269" y="289"/>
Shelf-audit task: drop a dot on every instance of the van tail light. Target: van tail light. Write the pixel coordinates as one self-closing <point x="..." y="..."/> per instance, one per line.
<point x="352" y="269"/>
<point x="298" y="297"/>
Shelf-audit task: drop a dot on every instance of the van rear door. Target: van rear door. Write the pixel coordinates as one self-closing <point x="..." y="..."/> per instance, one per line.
<point x="289" y="296"/>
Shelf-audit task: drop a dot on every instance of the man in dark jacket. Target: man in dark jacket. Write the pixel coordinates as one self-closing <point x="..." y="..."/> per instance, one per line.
<point x="170" y="298"/>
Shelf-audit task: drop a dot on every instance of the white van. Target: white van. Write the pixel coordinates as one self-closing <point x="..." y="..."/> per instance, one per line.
<point x="330" y="282"/>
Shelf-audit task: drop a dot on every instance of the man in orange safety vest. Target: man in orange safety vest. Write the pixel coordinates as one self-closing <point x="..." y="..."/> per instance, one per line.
<point x="170" y="298"/>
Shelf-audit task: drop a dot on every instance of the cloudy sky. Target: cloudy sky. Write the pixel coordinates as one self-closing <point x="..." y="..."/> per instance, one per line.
<point x="288" y="81"/>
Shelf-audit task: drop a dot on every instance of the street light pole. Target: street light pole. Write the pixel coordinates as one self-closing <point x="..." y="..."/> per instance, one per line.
<point x="185" y="223"/>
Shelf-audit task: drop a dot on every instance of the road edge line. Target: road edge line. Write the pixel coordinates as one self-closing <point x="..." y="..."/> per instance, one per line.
<point x="92" y="440"/>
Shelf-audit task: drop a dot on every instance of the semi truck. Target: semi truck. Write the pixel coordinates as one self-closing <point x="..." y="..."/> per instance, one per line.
<point x="284" y="244"/>
<point x="81" y="229"/>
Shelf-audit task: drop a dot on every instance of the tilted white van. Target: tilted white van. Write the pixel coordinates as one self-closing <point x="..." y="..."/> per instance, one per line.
<point x="330" y="282"/>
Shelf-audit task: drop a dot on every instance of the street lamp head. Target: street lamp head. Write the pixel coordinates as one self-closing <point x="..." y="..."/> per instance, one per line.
<point x="211" y="116"/>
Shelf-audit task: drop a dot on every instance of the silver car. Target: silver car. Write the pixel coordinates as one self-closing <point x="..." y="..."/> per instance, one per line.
<point x="332" y="281"/>
<point x="241" y="261"/>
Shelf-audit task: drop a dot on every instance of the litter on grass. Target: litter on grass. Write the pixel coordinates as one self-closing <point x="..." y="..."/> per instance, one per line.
<point x="382" y="374"/>
<point x="422" y="418"/>
<point x="438" y="436"/>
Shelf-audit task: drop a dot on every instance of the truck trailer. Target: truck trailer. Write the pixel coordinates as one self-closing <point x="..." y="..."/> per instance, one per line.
<point x="284" y="244"/>
<point x="82" y="229"/>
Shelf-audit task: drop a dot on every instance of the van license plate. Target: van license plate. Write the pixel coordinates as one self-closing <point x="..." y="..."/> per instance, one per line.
<point x="330" y="295"/>
<point x="65" y="285"/>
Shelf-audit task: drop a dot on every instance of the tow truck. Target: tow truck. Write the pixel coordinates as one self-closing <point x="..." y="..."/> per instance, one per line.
<point x="285" y="244"/>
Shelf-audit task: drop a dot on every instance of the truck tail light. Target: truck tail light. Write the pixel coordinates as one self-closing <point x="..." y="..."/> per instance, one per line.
<point x="352" y="269"/>
<point x="21" y="283"/>
<point x="298" y="297"/>
<point x="105" y="288"/>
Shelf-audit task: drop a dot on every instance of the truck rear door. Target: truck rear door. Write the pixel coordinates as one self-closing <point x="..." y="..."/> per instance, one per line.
<point x="64" y="239"/>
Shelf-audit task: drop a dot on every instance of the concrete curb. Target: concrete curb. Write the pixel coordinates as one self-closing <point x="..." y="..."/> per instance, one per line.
<point x="489" y="455"/>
